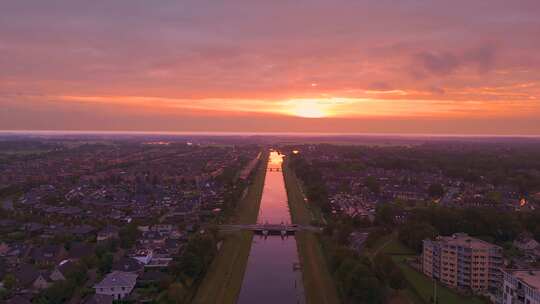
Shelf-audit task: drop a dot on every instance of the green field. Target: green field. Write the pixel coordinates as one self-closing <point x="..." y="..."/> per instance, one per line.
<point x="318" y="282"/>
<point x="423" y="286"/>
<point x="223" y="281"/>
<point x="388" y="244"/>
<point x="405" y="296"/>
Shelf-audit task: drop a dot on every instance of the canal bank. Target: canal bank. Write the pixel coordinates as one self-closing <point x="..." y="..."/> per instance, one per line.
<point x="222" y="282"/>
<point x="318" y="282"/>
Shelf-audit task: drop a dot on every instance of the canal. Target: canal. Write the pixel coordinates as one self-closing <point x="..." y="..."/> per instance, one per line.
<point x="272" y="275"/>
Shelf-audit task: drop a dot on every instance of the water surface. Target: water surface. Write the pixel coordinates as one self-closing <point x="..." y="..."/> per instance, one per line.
<point x="270" y="274"/>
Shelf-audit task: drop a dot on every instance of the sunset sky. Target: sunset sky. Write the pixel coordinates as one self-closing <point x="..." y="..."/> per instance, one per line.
<point x="358" y="66"/>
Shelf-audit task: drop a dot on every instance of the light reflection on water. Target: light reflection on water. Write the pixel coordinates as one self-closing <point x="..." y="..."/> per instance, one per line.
<point x="274" y="208"/>
<point x="270" y="276"/>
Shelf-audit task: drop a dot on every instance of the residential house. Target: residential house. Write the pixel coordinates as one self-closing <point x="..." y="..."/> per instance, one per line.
<point x="117" y="284"/>
<point x="83" y="230"/>
<point x="7" y="225"/>
<point x="62" y="270"/>
<point x="48" y="254"/>
<point x="358" y="240"/>
<point x="14" y="253"/>
<point x="526" y="243"/>
<point x="43" y="281"/>
<point x="142" y="255"/>
<point x="152" y="238"/>
<point x="4" y="249"/>
<point x="33" y="227"/>
<point x="79" y="250"/>
<point x="127" y="264"/>
<point x="108" y="233"/>
<point x="25" y="275"/>
<point x="160" y="259"/>
<point x="28" y="277"/>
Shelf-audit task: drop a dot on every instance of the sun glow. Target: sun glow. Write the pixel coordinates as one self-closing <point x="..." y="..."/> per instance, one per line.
<point x="309" y="110"/>
<point x="309" y="113"/>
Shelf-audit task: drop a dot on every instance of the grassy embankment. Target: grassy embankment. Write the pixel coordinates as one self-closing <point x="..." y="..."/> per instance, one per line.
<point x="422" y="287"/>
<point x="223" y="280"/>
<point x="318" y="282"/>
<point x="419" y="287"/>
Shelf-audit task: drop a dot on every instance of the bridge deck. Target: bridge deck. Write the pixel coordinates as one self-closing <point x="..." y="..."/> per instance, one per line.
<point x="271" y="228"/>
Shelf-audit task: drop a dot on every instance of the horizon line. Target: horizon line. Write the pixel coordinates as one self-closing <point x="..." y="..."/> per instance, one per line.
<point x="241" y="133"/>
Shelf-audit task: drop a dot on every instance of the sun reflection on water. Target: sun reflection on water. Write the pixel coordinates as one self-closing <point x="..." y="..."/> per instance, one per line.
<point x="276" y="159"/>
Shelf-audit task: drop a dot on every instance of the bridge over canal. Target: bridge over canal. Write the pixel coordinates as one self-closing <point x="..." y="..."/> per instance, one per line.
<point x="270" y="228"/>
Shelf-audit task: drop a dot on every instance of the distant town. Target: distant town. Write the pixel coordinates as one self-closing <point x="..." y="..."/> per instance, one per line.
<point x="142" y="219"/>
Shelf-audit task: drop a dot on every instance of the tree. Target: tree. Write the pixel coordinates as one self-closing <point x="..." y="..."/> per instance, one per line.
<point x="343" y="234"/>
<point x="396" y="279"/>
<point x="78" y="273"/>
<point x="376" y="235"/>
<point x="105" y="263"/>
<point x="385" y="214"/>
<point x="175" y="294"/>
<point x="412" y="234"/>
<point x="356" y="279"/>
<point x="58" y="292"/>
<point x="9" y="281"/>
<point x="339" y="255"/>
<point x="372" y="184"/>
<point x="197" y="256"/>
<point x="386" y="268"/>
<point x="537" y="233"/>
<point x="436" y="190"/>
<point x="128" y="236"/>
<point x="494" y="197"/>
<point x="363" y="286"/>
<point x="191" y="264"/>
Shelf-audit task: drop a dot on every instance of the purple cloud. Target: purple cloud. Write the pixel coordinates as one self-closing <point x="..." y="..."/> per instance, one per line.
<point x="482" y="58"/>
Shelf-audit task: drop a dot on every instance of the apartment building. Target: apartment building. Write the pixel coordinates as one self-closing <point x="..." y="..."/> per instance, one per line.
<point x="461" y="261"/>
<point x="521" y="286"/>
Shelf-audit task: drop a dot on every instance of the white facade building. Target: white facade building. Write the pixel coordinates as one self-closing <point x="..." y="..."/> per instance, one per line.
<point x="521" y="287"/>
